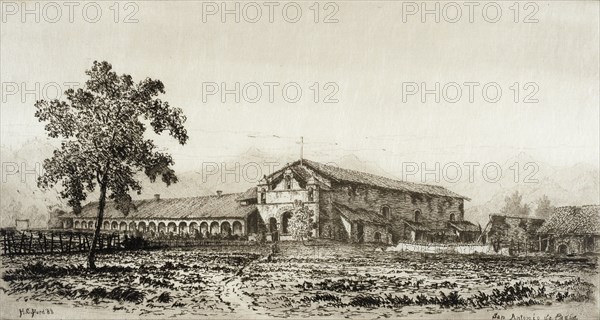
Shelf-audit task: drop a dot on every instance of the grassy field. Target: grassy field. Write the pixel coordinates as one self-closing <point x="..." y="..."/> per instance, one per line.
<point x="318" y="281"/>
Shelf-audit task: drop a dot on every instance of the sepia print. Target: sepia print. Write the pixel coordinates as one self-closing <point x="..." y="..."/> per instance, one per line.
<point x="300" y="159"/>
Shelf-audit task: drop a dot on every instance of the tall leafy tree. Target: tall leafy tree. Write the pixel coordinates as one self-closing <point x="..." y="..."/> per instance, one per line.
<point x="514" y="207"/>
<point x="103" y="146"/>
<point x="544" y="207"/>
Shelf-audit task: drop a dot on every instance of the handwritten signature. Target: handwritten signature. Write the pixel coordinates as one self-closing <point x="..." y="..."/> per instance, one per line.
<point x="558" y="316"/>
<point x="32" y="312"/>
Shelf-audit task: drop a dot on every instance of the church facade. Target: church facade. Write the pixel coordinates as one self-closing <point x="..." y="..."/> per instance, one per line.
<point x="358" y="207"/>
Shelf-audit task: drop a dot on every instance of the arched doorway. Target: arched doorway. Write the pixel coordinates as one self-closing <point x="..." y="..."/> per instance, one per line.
<point x="76" y="225"/>
<point x="91" y="225"/>
<point x="204" y="228"/>
<point x="273" y="229"/>
<point x="114" y="225"/>
<point x="253" y="221"/>
<point x="172" y="227"/>
<point x="141" y="227"/>
<point x="225" y="229"/>
<point x="83" y="225"/>
<point x="123" y="226"/>
<point x="360" y="232"/>
<point x="106" y="225"/>
<point x="237" y="228"/>
<point x="285" y="222"/>
<point x="183" y="228"/>
<point x="132" y="226"/>
<point x="563" y="249"/>
<point x="162" y="227"/>
<point x="214" y="228"/>
<point x="193" y="228"/>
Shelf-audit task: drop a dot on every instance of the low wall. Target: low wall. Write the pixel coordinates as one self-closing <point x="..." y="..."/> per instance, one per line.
<point x="446" y="248"/>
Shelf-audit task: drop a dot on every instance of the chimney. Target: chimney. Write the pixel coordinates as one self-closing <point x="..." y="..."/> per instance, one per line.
<point x="219" y="193"/>
<point x="156" y="196"/>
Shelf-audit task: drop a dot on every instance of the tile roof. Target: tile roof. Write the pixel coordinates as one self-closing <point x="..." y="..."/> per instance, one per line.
<point x="426" y="225"/>
<point x="359" y="214"/>
<point x="503" y="217"/>
<point x="354" y="176"/>
<point x="206" y="207"/>
<point x="573" y="220"/>
<point x="464" y="226"/>
<point x="417" y="226"/>
<point x="248" y="194"/>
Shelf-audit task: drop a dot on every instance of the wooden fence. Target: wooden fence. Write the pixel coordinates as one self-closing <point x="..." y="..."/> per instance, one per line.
<point x="198" y="243"/>
<point x="55" y="241"/>
<point x="446" y="248"/>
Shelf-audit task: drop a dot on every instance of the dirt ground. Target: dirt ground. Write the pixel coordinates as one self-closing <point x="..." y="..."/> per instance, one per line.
<point x="326" y="281"/>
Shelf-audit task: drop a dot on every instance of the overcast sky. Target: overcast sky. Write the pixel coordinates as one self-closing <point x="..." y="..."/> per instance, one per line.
<point x="370" y="58"/>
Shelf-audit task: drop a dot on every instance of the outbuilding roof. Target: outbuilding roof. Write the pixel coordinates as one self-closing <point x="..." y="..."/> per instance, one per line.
<point x="223" y="206"/>
<point x="573" y="220"/>
<point x="427" y="225"/>
<point x="358" y="214"/>
<point x="464" y="226"/>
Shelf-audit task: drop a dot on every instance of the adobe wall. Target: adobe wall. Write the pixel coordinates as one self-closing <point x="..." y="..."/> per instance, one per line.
<point x="402" y="205"/>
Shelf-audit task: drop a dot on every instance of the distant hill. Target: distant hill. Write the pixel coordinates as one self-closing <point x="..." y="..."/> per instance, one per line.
<point x="20" y="198"/>
<point x="574" y="185"/>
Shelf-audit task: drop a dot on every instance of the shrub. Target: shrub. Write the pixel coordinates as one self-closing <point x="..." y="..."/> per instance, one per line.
<point x="368" y="301"/>
<point x="324" y="297"/>
<point x="164" y="297"/>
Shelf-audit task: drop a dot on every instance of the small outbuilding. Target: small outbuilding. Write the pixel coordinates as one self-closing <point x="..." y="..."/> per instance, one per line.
<point x="572" y="230"/>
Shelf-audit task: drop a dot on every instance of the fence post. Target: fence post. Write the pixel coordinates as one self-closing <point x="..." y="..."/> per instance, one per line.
<point x="39" y="239"/>
<point x="69" y="243"/>
<point x="13" y="246"/>
<point x="30" y="241"/>
<point x="21" y="250"/>
<point x="45" y="243"/>
<point x="4" y="243"/>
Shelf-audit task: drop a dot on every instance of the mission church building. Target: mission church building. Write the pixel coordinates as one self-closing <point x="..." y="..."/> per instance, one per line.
<point x="346" y="205"/>
<point x="359" y="207"/>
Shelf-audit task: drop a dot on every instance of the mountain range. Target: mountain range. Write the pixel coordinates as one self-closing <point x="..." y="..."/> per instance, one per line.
<point x="20" y="198"/>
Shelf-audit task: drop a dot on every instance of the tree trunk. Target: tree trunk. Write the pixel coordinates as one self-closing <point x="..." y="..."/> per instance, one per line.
<point x="100" y="218"/>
